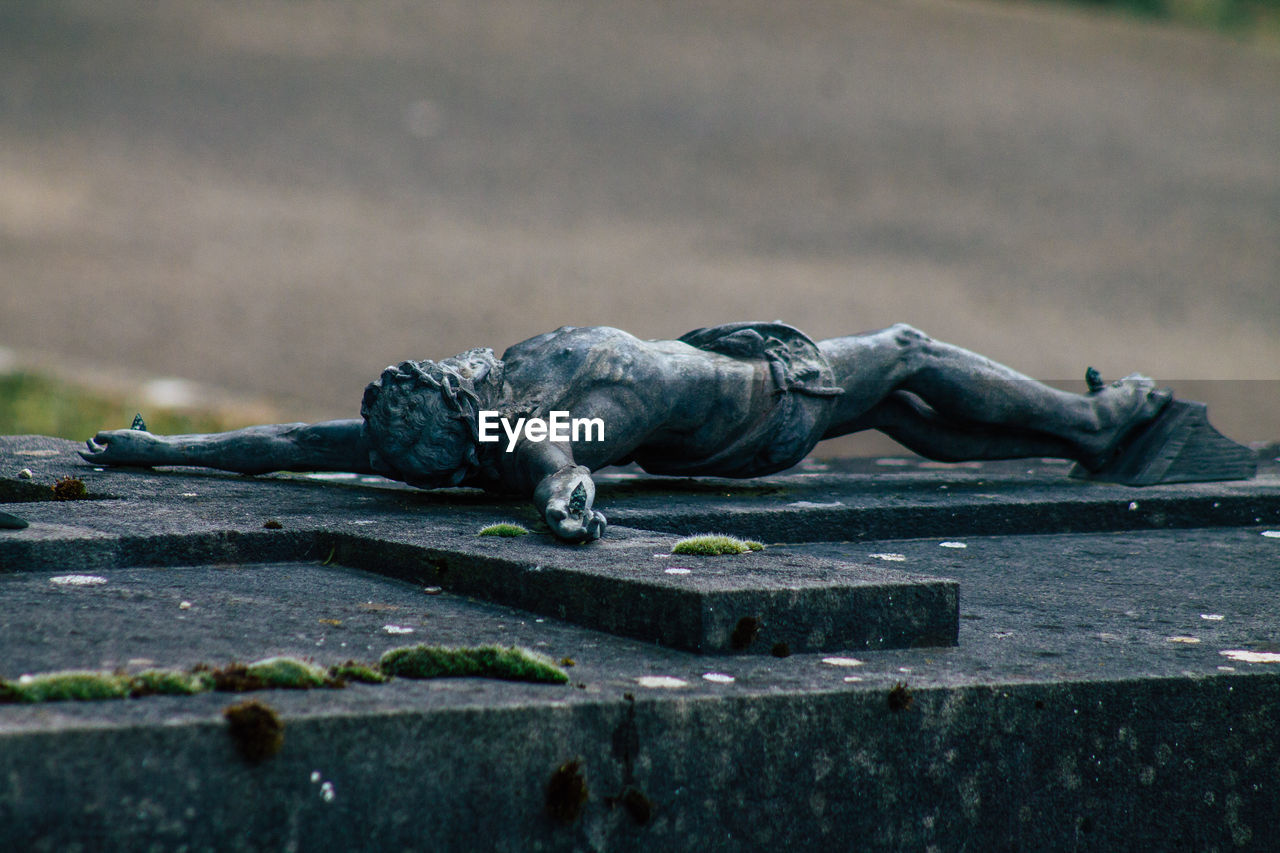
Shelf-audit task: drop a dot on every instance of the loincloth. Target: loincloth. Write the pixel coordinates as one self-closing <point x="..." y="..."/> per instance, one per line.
<point x="803" y="391"/>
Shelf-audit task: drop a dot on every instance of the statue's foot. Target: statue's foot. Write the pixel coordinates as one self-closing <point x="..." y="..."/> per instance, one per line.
<point x="1121" y="408"/>
<point x="1179" y="446"/>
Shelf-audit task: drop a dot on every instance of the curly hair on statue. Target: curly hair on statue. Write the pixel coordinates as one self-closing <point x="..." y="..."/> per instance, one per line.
<point x="422" y="415"/>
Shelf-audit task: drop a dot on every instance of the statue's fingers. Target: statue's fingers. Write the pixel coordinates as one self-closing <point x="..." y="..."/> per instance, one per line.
<point x="92" y="450"/>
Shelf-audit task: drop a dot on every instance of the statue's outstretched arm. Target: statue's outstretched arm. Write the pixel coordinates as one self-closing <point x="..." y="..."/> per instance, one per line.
<point x="564" y="493"/>
<point x="328" y="446"/>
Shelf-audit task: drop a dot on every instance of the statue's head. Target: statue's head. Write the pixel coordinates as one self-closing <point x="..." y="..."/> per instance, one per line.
<point x="420" y="417"/>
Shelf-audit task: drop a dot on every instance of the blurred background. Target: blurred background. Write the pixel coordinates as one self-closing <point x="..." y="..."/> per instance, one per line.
<point x="249" y="208"/>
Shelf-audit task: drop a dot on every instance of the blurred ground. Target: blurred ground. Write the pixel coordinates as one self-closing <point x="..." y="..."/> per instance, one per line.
<point x="280" y="198"/>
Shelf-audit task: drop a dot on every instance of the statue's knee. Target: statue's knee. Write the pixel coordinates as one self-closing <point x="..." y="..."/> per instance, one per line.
<point x="908" y="337"/>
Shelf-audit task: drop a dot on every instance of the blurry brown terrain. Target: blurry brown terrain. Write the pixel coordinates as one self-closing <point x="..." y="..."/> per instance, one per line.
<point x="278" y="198"/>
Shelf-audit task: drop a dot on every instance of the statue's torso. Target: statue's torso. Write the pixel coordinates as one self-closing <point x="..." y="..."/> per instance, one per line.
<point x="726" y="403"/>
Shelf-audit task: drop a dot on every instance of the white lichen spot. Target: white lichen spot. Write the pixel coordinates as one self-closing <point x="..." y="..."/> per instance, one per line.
<point x="815" y="504"/>
<point x="1271" y="534"/>
<point x="190" y="495"/>
<point x="1246" y="656"/>
<point x="1190" y="641"/>
<point x="315" y="777"/>
<point x="326" y="792"/>
<point x="186" y="605"/>
<point x="1133" y="505"/>
<point x="677" y="570"/>
<point x="397" y="629"/>
<point x="661" y="681"/>
<point x="332" y="475"/>
<point x="952" y="545"/>
<point x="837" y="661"/>
<point x="850" y="679"/>
<point x="364" y="521"/>
<point x="890" y="558"/>
<point x="1226" y="669"/>
<point x="25" y="474"/>
<point x="1212" y="617"/>
<point x="78" y="580"/>
<point x="718" y="678"/>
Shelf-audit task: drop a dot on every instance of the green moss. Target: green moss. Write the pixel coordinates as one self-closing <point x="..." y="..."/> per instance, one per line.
<point x="356" y="671"/>
<point x="713" y="544"/>
<point x="503" y="529"/>
<point x="73" y="685"/>
<point x="170" y="682"/>
<point x="288" y="673"/>
<point x="511" y="664"/>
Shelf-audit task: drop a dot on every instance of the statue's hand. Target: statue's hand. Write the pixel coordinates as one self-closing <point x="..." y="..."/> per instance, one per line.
<point x="125" y="447"/>
<point x="566" y="497"/>
<point x="586" y="526"/>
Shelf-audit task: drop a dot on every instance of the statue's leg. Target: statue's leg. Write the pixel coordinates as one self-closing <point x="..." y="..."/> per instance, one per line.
<point x="973" y="395"/>
<point x="328" y="446"/>
<point x="907" y="420"/>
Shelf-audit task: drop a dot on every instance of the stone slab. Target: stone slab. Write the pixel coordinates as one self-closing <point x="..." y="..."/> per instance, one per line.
<point x="629" y="584"/>
<point x="1088" y="704"/>
<point x="1063" y="720"/>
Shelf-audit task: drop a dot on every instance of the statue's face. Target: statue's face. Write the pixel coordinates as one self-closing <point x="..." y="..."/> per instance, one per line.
<point x="443" y="479"/>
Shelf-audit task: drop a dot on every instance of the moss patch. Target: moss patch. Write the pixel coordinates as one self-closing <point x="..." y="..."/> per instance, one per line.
<point x="69" y="489"/>
<point x="511" y="664"/>
<point x="503" y="529"/>
<point x="900" y="697"/>
<point x="567" y="792"/>
<point x="355" y="671"/>
<point x="169" y="682"/>
<point x="68" y="685"/>
<point x="288" y="673"/>
<point x="714" y="544"/>
<point x="256" y="728"/>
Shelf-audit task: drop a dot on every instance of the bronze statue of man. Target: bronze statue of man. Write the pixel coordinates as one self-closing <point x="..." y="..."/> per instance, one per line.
<point x="740" y="400"/>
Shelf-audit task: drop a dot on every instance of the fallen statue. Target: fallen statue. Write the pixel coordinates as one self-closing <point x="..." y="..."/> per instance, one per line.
<point x="740" y="400"/>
